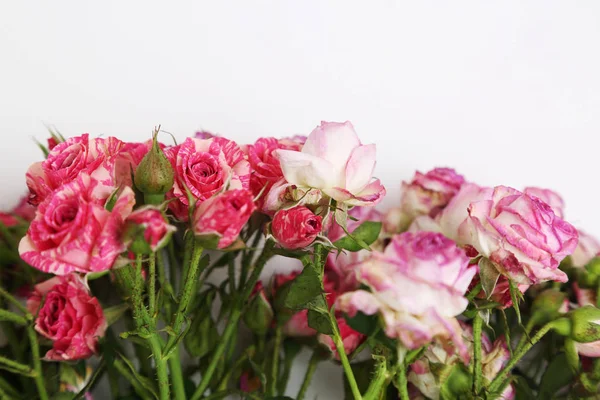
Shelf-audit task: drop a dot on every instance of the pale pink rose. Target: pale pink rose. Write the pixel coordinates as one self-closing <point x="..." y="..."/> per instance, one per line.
<point x="283" y="195"/>
<point x="80" y="154"/>
<point x="456" y="211"/>
<point x="587" y="248"/>
<point x="424" y="223"/>
<point x="428" y="194"/>
<point x="417" y="285"/>
<point x="296" y="228"/>
<point x="549" y="197"/>
<point x="265" y="166"/>
<point x="74" y="232"/>
<point x="334" y="161"/>
<point x="205" y="167"/>
<point x="156" y="230"/>
<point x="521" y="234"/>
<point x="68" y="315"/>
<point x="351" y="339"/>
<point x="224" y="215"/>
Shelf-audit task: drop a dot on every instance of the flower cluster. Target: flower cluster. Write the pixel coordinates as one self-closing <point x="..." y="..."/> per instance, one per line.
<point x="439" y="297"/>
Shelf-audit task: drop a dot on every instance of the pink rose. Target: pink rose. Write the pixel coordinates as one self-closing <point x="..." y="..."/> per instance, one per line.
<point x="417" y="285"/>
<point x="68" y="315"/>
<point x="73" y="232"/>
<point x="520" y="233"/>
<point x="283" y="195"/>
<point x="334" y="161"/>
<point x="224" y="215"/>
<point x="266" y="169"/>
<point x="587" y="248"/>
<point x="80" y="154"/>
<point x="296" y="228"/>
<point x="153" y="226"/>
<point x="350" y="338"/>
<point x="428" y="194"/>
<point x="205" y="167"/>
<point x="455" y="213"/>
<point x="24" y="210"/>
<point x="8" y="220"/>
<point x="549" y="197"/>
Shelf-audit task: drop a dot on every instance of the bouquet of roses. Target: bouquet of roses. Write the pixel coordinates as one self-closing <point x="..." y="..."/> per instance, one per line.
<point x="461" y="291"/>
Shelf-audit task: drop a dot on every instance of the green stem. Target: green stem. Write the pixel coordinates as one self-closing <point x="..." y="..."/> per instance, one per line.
<point x="161" y="367"/>
<point x="275" y="362"/>
<point x="474" y="292"/>
<point x="15" y="302"/>
<point x="339" y="345"/>
<point x="184" y="301"/>
<point x="519" y="353"/>
<point x="144" y="324"/>
<point x="378" y="382"/>
<point x="402" y="383"/>
<point x="477" y="325"/>
<point x="12" y="317"/>
<point x="152" y="284"/>
<point x="231" y="326"/>
<point x="310" y="371"/>
<point x="173" y="264"/>
<point x="528" y="328"/>
<point x="37" y="363"/>
<point x="17" y="366"/>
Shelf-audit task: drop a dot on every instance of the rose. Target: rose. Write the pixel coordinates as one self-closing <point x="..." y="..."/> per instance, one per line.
<point x="455" y="213"/>
<point x="224" y="215"/>
<point x="587" y="248"/>
<point x="351" y="339"/>
<point x="425" y="376"/>
<point x="96" y="157"/>
<point x="148" y="229"/>
<point x="334" y="161"/>
<point x="296" y="228"/>
<point x="24" y="210"/>
<point x="266" y="169"/>
<point x="68" y="315"/>
<point x="427" y="194"/>
<point x="285" y="195"/>
<point x="549" y="197"/>
<point x="520" y="234"/>
<point x="205" y="167"/>
<point x="73" y="231"/>
<point x="417" y="284"/>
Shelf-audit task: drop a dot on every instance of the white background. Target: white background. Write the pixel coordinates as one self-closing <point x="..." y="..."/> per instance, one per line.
<point x="506" y="92"/>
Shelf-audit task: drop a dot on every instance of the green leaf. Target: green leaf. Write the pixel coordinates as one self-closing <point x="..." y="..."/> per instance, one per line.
<point x="522" y="389"/>
<point x="457" y="385"/>
<point x="362" y="372"/>
<point x="169" y="350"/>
<point x="112" y="199"/>
<point x="516" y="296"/>
<point x="303" y="289"/>
<point x="320" y="322"/>
<point x="114" y="313"/>
<point x="258" y="371"/>
<point x="363" y="323"/>
<point x="557" y="376"/>
<point x="280" y="251"/>
<point x="361" y="238"/>
<point x="203" y="336"/>
<point x="488" y="273"/>
<point x="147" y="383"/>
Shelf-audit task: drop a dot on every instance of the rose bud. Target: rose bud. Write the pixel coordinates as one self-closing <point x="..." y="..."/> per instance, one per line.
<point x="548" y="305"/>
<point x="68" y="315"/>
<point x="224" y="215"/>
<point x="259" y="315"/>
<point x="587" y="248"/>
<point x="154" y="175"/>
<point x="296" y="228"/>
<point x="147" y="230"/>
<point x="585" y="324"/>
